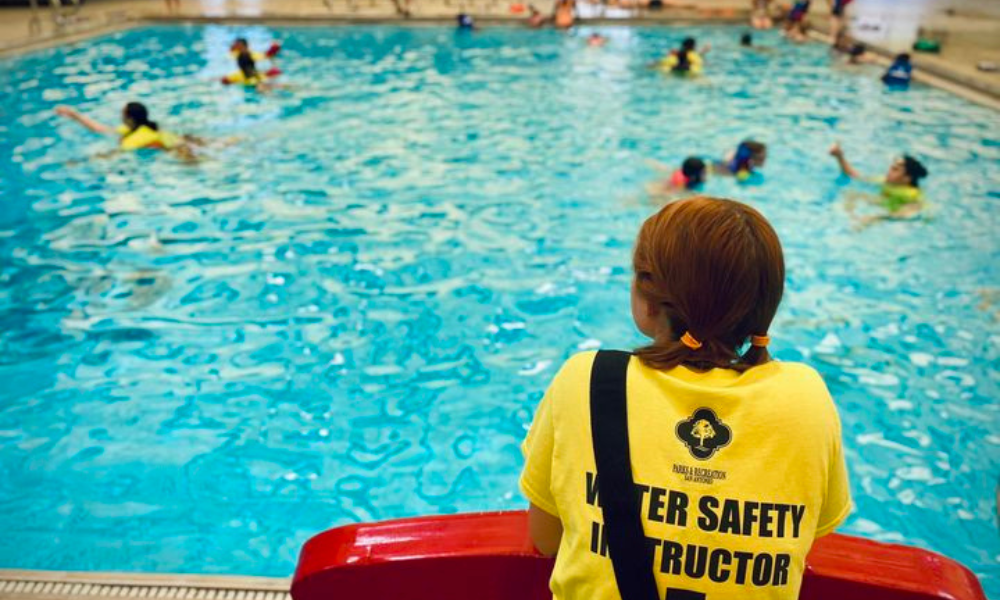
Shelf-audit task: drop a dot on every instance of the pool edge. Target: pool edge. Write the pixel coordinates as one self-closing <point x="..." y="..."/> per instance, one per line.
<point x="94" y="585"/>
<point x="934" y="75"/>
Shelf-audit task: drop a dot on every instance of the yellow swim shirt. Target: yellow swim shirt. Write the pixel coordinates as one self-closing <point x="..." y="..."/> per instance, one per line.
<point x="738" y="472"/>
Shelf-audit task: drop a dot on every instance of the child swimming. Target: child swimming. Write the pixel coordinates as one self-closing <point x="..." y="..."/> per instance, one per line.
<point x="899" y="73"/>
<point x="690" y="176"/>
<point x="725" y="465"/>
<point x="683" y="61"/>
<point x="900" y="194"/>
<point x="596" y="40"/>
<point x="136" y="132"/>
<point x="249" y="76"/>
<point x="744" y="161"/>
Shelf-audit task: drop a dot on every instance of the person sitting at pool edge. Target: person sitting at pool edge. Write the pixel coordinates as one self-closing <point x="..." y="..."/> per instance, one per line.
<point x="838" y="8"/>
<point x="900" y="193"/>
<point x="685" y="60"/>
<point x="135" y="132"/>
<point x="899" y="73"/>
<point x="465" y="22"/>
<point x="742" y="162"/>
<point x="564" y="14"/>
<point x="796" y="23"/>
<point x="760" y="14"/>
<point x="736" y="458"/>
<point x="536" y="19"/>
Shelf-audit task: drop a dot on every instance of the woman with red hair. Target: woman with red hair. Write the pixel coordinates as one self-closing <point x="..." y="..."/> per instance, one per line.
<point x="695" y="467"/>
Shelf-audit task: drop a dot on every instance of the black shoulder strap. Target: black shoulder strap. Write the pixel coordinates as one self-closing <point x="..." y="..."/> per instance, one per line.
<point x="616" y="489"/>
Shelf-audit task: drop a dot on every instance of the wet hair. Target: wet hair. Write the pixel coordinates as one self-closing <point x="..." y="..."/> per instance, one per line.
<point x="137" y="113"/>
<point x="857" y="49"/>
<point x="902" y="58"/>
<point x="464" y="21"/>
<point x="746" y="40"/>
<point x="915" y="170"/>
<point x="247" y="64"/>
<point x="241" y="41"/>
<point x="716" y="270"/>
<point x="693" y="169"/>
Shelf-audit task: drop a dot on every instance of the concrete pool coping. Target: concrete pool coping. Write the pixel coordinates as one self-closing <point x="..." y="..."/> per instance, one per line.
<point x="930" y="71"/>
<point x="71" y="585"/>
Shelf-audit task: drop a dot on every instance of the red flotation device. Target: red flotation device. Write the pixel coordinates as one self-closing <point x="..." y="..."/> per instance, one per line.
<point x="489" y="556"/>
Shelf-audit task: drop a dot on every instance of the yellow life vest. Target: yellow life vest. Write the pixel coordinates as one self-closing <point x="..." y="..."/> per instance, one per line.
<point x="898" y="196"/>
<point x="671" y="61"/>
<point x="146" y="137"/>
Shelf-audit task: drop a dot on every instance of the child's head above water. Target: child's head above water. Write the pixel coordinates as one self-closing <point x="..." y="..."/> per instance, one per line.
<point x="906" y="170"/>
<point x="709" y="275"/>
<point x="693" y="169"/>
<point x="746" y="40"/>
<point x="688" y="44"/>
<point x="135" y="115"/>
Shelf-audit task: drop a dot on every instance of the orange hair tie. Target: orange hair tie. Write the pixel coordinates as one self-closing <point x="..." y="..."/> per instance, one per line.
<point x="688" y="340"/>
<point x="761" y="341"/>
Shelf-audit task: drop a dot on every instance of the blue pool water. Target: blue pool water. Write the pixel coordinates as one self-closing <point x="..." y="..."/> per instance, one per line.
<point x="351" y="312"/>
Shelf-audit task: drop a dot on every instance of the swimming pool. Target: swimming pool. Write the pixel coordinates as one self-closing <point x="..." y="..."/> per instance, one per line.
<point x="351" y="312"/>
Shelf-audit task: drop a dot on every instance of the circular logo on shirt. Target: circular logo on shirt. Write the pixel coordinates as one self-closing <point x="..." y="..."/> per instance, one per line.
<point x="704" y="433"/>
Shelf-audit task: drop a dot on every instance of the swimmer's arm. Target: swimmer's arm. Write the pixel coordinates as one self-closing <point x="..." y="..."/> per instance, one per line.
<point x="845" y="167"/>
<point x="95" y="126"/>
<point x="655" y="164"/>
<point x="545" y="530"/>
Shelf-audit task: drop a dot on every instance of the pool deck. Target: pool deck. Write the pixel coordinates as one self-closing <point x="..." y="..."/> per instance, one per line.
<point x="62" y="585"/>
<point x="970" y="35"/>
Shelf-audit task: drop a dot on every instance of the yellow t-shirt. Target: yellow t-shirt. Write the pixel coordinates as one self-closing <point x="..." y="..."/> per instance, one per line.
<point x="739" y="472"/>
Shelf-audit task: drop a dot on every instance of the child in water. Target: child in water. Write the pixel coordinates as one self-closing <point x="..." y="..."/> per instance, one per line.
<point x="744" y="161"/>
<point x="685" y="60"/>
<point x="703" y="395"/>
<point x="596" y="40"/>
<point x="536" y="19"/>
<point x="249" y="76"/>
<point x="900" y="72"/>
<point x="241" y="45"/>
<point x="900" y="193"/>
<point x="137" y="131"/>
<point x="690" y="176"/>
